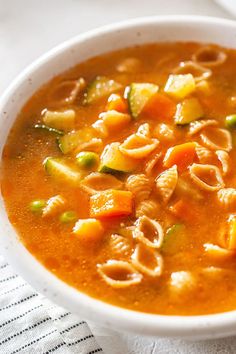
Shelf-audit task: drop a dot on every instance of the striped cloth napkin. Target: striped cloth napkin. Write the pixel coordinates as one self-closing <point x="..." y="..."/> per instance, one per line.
<point x="29" y="323"/>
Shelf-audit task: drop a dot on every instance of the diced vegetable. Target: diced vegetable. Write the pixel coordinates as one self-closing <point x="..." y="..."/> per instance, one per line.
<point x="181" y="155"/>
<point x="173" y="239"/>
<point x="180" y="86"/>
<point x="114" y="120"/>
<point x="113" y="161"/>
<point x="49" y="129"/>
<point x="62" y="120"/>
<point x="99" y="88"/>
<point x="232" y="233"/>
<point x="230" y="121"/>
<point x="87" y="159"/>
<point x="139" y="95"/>
<point x="111" y="203"/>
<point x="182" y="282"/>
<point x="89" y="230"/>
<point x="160" y="107"/>
<point x="188" y="111"/>
<point x="68" y="217"/>
<point x="184" y="210"/>
<point x="116" y="103"/>
<point x="59" y="170"/>
<point x="70" y="141"/>
<point x="37" y="206"/>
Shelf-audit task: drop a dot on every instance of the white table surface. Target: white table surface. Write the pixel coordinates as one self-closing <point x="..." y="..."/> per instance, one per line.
<point x="28" y="28"/>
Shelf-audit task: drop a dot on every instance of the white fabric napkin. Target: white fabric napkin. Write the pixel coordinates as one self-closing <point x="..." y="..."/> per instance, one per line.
<point x="31" y="324"/>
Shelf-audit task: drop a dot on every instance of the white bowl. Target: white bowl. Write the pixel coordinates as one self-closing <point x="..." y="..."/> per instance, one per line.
<point x="138" y="31"/>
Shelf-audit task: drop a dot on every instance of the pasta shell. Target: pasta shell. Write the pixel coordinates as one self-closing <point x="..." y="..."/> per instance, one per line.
<point x="120" y="245"/>
<point x="54" y="206"/>
<point x="204" y="155"/>
<point x="164" y="132"/>
<point x="217" y="139"/>
<point x="147" y="261"/>
<point x="198" y="125"/>
<point x="166" y="183"/>
<point x="227" y="197"/>
<point x="190" y="67"/>
<point x="119" y="274"/>
<point x="101" y="128"/>
<point x="198" y="172"/>
<point x="224" y="159"/>
<point x="217" y="252"/>
<point x="138" y="146"/>
<point x="67" y="91"/>
<point x="148" y="208"/>
<point x="97" y="182"/>
<point x="95" y="144"/>
<point x="149" y="232"/>
<point x="209" y="56"/>
<point x="129" y="65"/>
<point x="152" y="163"/>
<point x="140" y="186"/>
<point x="144" y="130"/>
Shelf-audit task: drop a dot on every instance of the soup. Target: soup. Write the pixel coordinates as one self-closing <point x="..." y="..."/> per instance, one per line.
<point x="118" y="176"/>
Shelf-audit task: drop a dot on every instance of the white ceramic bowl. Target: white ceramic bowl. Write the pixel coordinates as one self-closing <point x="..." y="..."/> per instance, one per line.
<point x="138" y="31"/>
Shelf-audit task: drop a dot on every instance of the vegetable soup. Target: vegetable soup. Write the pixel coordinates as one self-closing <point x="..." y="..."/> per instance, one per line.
<point x="118" y="176"/>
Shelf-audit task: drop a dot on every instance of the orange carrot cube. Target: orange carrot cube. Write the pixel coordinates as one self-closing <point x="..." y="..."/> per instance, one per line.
<point x="111" y="203"/>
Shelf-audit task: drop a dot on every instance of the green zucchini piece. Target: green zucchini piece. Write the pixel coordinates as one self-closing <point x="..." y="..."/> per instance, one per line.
<point x="70" y="141"/>
<point x="173" y="239"/>
<point x="113" y="161"/>
<point x="187" y="111"/>
<point x="59" y="170"/>
<point x="139" y="95"/>
<point x="100" y="87"/>
<point x="49" y="129"/>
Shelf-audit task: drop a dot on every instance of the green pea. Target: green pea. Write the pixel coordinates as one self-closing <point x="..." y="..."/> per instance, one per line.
<point x="87" y="159"/>
<point x="36" y="206"/>
<point x="230" y="121"/>
<point x="68" y="217"/>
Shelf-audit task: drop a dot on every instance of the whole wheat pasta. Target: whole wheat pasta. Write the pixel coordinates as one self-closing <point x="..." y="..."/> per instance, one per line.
<point x="196" y="170"/>
<point x="198" y="125"/>
<point x="223" y="135"/>
<point x="97" y="182"/>
<point x="149" y="232"/>
<point x="141" y="253"/>
<point x="227" y="197"/>
<point x="138" y="146"/>
<point x="119" y="274"/>
<point x="140" y="186"/>
<point x="209" y="56"/>
<point x="148" y="208"/>
<point x="54" y="205"/>
<point x="166" y="183"/>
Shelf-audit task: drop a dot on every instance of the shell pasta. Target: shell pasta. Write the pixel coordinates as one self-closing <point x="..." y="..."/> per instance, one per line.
<point x="119" y="177"/>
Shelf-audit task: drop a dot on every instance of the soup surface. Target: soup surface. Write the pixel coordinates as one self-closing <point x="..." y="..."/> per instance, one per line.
<point x="118" y="175"/>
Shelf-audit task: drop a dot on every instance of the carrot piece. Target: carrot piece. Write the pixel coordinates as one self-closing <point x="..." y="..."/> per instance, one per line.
<point x="181" y="155"/>
<point x="116" y="103"/>
<point x="185" y="211"/>
<point x="160" y="107"/>
<point x="111" y="203"/>
<point x="89" y="229"/>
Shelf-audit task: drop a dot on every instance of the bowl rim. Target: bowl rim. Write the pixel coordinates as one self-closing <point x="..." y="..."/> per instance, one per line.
<point x="212" y="325"/>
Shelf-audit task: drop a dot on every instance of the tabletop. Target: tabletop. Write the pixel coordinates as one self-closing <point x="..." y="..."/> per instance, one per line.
<point x="28" y="28"/>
